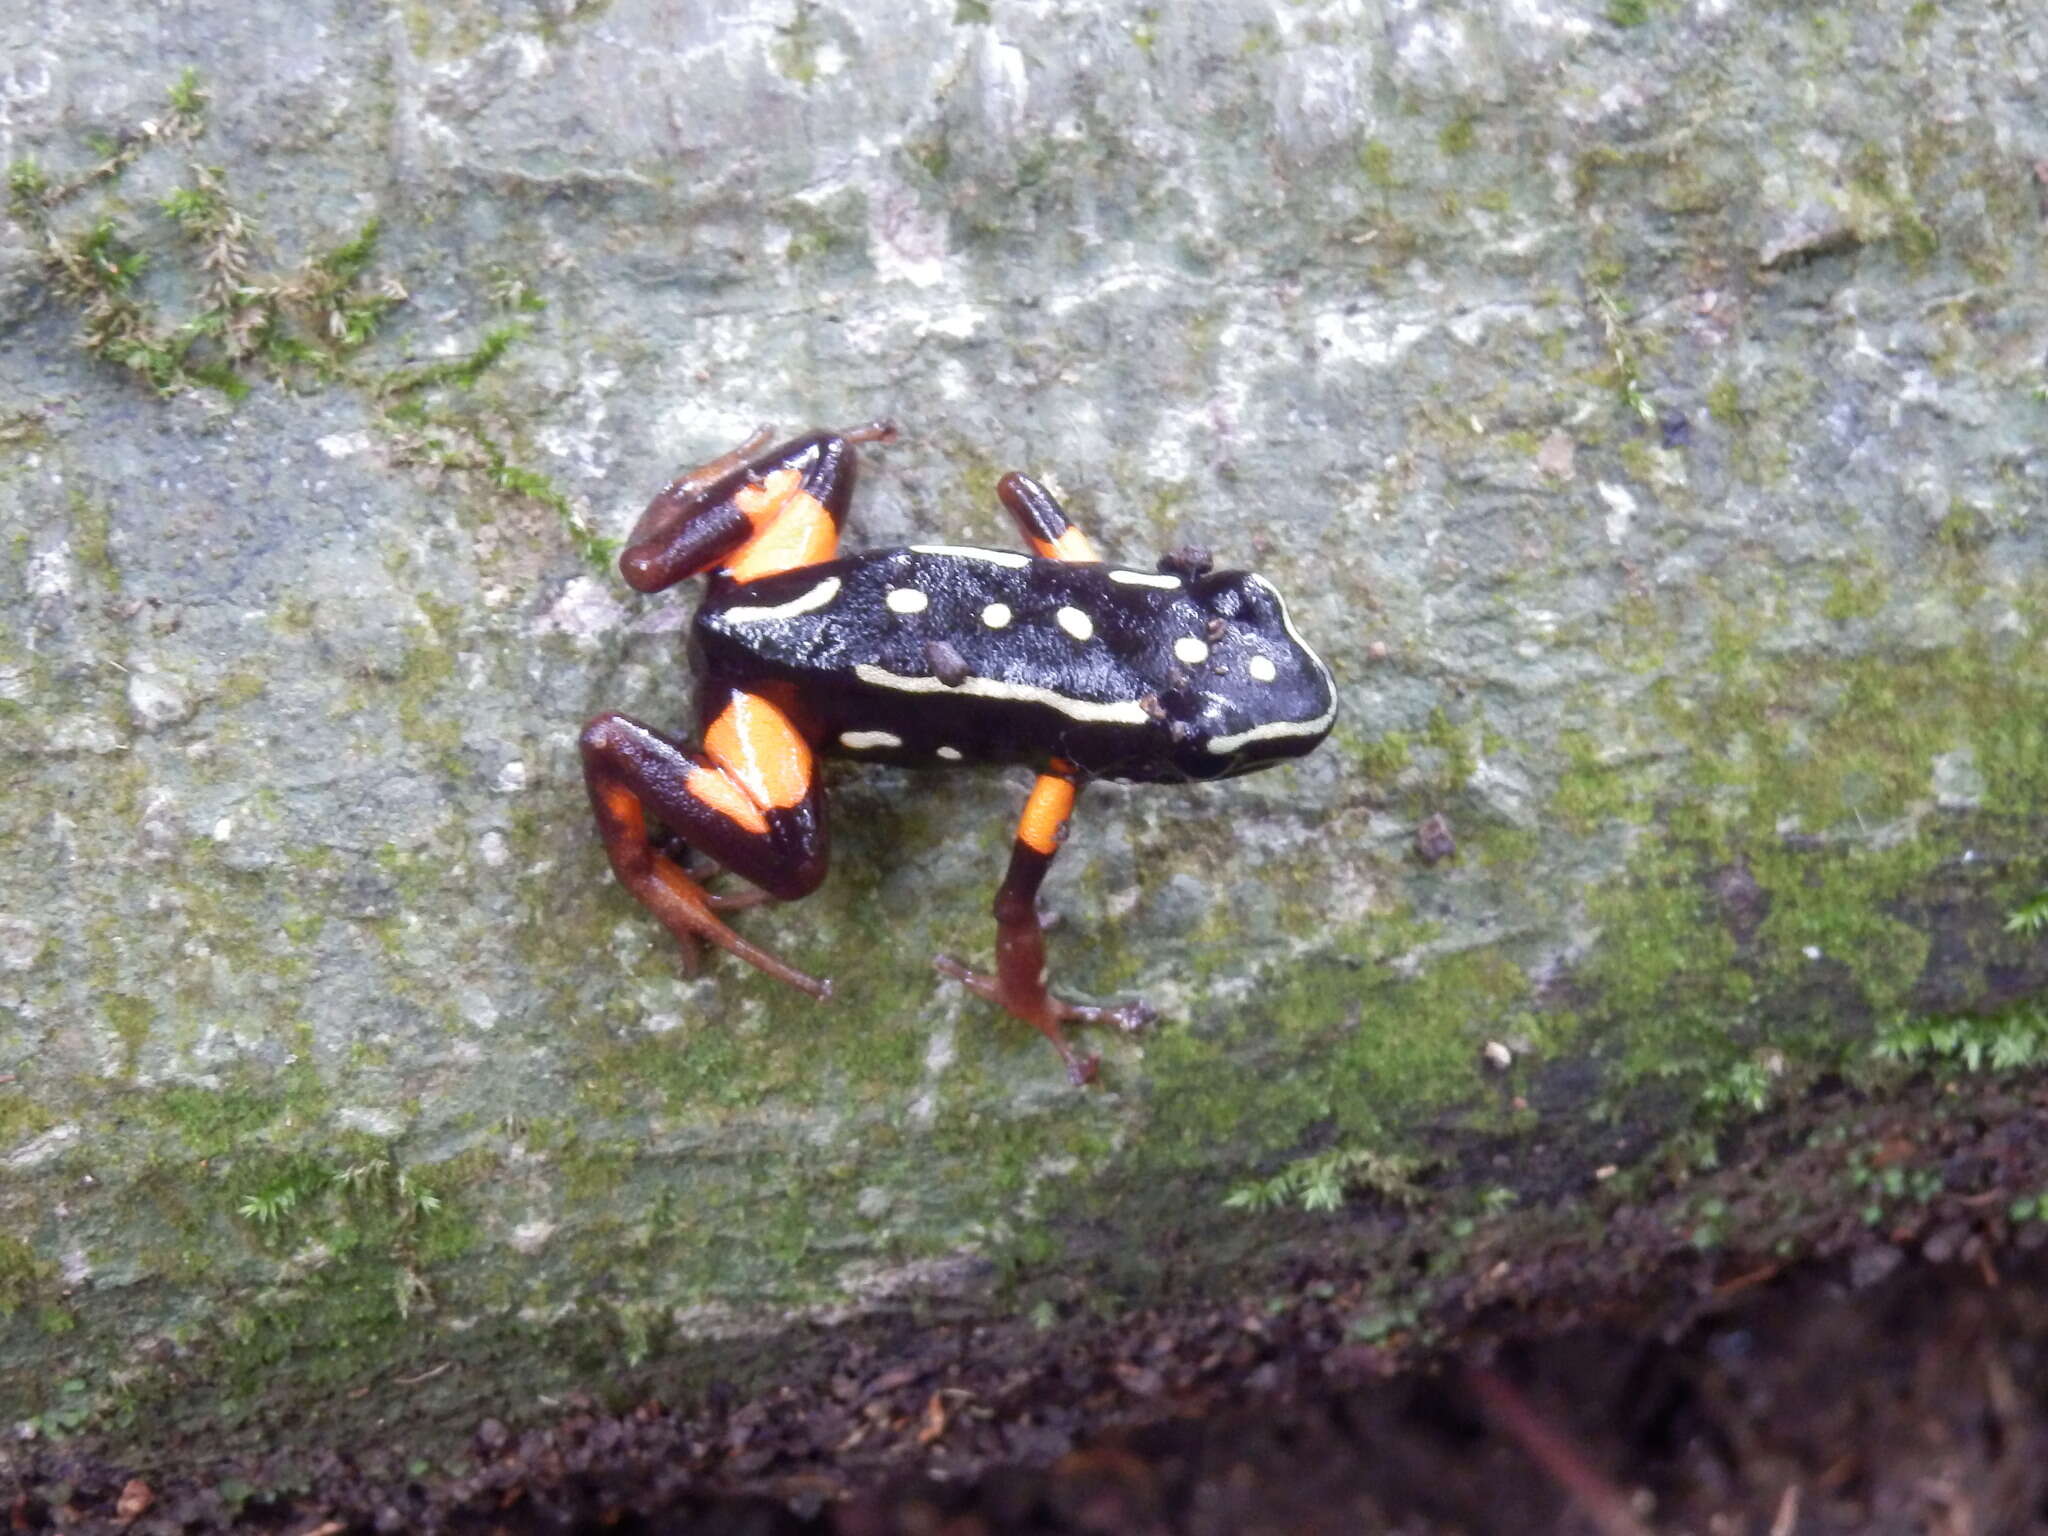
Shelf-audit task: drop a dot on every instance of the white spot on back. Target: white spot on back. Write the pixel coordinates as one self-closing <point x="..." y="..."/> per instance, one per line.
<point x="816" y="597"/>
<point x="859" y="740"/>
<point x="906" y="600"/>
<point x="1075" y="623"/>
<point x="1262" y="668"/>
<point x="996" y="615"/>
<point x="1146" y="579"/>
<point x="1190" y="651"/>
<point x="1300" y="644"/>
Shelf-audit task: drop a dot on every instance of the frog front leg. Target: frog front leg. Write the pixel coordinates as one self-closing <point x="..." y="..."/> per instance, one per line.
<point x="1018" y="984"/>
<point x="1043" y="521"/>
<point x="749" y="799"/>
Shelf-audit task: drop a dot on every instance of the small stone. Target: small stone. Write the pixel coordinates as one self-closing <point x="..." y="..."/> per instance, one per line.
<point x="1811" y="231"/>
<point x="1874" y="1264"/>
<point x="21" y="941"/>
<point x="1958" y="782"/>
<point x="1945" y="1242"/>
<point x="1498" y="1055"/>
<point x="1433" y="840"/>
<point x="156" y="701"/>
<point x="1557" y="455"/>
<point x="136" y="1497"/>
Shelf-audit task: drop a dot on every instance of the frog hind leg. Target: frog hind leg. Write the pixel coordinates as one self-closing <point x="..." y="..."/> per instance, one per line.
<point x="750" y="512"/>
<point x="749" y="800"/>
<point x="1043" y="521"/>
<point x="1018" y="983"/>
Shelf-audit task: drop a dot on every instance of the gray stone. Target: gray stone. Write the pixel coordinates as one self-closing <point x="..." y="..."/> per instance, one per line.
<point x="1643" y="420"/>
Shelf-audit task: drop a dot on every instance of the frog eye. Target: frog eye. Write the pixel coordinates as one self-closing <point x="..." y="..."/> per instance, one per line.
<point x="1237" y="595"/>
<point x="1223" y="594"/>
<point x="1189" y="562"/>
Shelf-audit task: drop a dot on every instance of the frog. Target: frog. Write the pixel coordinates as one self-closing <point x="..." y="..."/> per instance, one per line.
<point x="925" y="656"/>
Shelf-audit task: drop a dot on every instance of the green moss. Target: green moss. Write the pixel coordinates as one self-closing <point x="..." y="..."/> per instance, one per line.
<point x="832" y="233"/>
<point x="425" y="715"/>
<point x="1382" y="759"/>
<point x="188" y="96"/>
<point x="795" y="49"/>
<point x="301" y="323"/>
<point x="22" y="1115"/>
<point x="1376" y="162"/>
<point x="1340" y="1047"/>
<point x="130" y="1018"/>
<point x="23" y="432"/>
<point x="208" y="1122"/>
<point x="1455" y="744"/>
<point x="1628" y="13"/>
<point x="23" y="1276"/>
<point x="1915" y="237"/>
<point x="1498" y="845"/>
<point x="1588" y="792"/>
<point x="1854" y="595"/>
<point x="242" y="687"/>
<point x="91" y="526"/>
<point x="458" y="372"/>
<point x="1460" y="135"/>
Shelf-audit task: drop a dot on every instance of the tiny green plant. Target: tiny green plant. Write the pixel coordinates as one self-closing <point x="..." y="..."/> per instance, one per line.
<point x="1324" y="1181"/>
<point x="1628" y="380"/>
<point x="384" y="1181"/>
<point x="2002" y="1042"/>
<point x="67" y="1415"/>
<point x="268" y="1208"/>
<point x="1740" y="1085"/>
<point x="2029" y="916"/>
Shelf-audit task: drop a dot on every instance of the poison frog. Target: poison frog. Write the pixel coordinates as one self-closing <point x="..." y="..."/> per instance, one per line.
<point x="931" y="656"/>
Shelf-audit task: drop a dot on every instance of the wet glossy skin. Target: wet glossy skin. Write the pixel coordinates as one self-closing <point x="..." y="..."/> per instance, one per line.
<point x="933" y="656"/>
<point x="930" y="656"/>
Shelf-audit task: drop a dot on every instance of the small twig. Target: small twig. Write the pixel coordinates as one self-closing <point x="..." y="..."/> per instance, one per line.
<point x="1603" y="1503"/>
<point x="1742" y="1282"/>
<point x="1787" y="1520"/>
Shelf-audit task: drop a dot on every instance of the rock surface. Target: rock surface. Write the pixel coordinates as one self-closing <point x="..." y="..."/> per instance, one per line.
<point x="1642" y="406"/>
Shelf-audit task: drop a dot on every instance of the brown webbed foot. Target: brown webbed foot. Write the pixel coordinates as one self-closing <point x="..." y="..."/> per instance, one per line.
<point x="1047" y="1013"/>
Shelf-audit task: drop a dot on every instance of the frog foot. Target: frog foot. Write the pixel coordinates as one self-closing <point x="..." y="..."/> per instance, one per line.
<point x="1047" y="1012"/>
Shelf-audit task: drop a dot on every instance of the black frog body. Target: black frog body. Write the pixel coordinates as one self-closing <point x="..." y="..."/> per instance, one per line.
<point x="937" y="655"/>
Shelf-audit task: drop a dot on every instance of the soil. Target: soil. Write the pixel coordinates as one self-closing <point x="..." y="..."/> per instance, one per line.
<point x="1886" y="1372"/>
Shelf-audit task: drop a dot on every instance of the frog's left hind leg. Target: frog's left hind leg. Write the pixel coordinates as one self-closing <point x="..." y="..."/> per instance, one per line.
<point x="749" y="799"/>
<point x="750" y="512"/>
<point x="1018" y="984"/>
